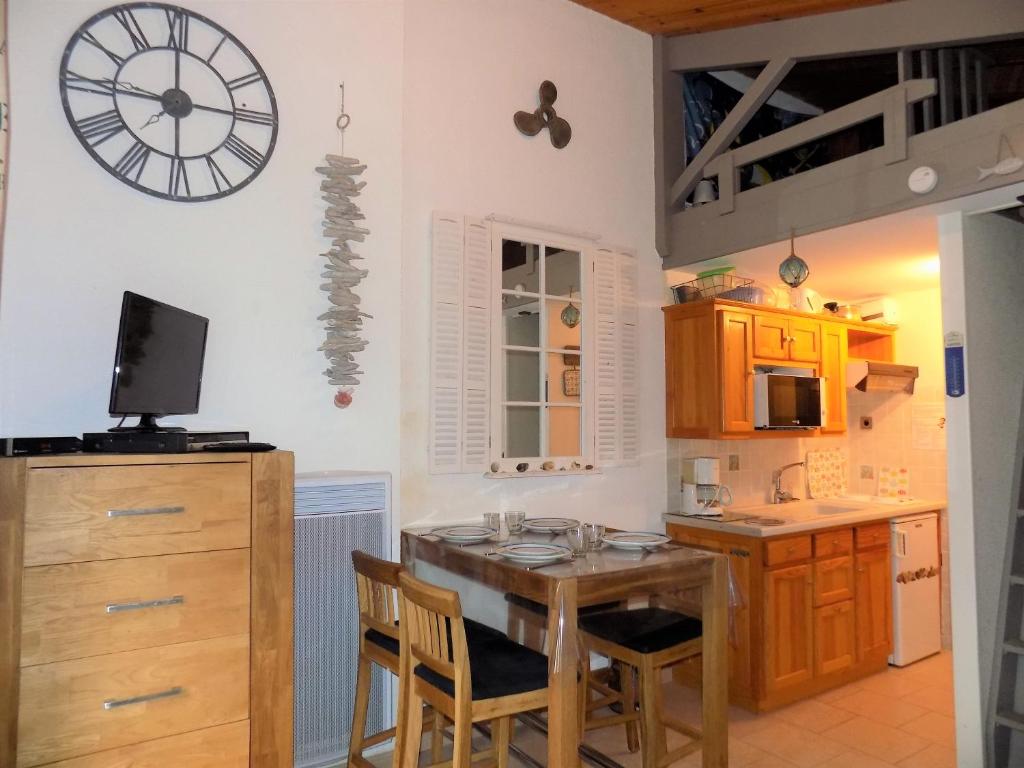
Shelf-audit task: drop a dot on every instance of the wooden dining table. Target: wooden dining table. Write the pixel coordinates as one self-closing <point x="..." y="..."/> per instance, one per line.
<point x="598" y="577"/>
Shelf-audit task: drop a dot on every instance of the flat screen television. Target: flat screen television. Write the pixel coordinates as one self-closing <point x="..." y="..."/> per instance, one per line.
<point x="158" y="367"/>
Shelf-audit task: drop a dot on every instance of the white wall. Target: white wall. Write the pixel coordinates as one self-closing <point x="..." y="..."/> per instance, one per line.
<point x="994" y="249"/>
<point x="468" y="68"/>
<point x="982" y="281"/>
<point x="76" y="238"/>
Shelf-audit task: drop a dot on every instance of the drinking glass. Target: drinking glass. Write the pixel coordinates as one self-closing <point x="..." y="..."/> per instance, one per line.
<point x="577" y="539"/>
<point x="593" y="532"/>
<point x="514" y="521"/>
<point x="492" y="520"/>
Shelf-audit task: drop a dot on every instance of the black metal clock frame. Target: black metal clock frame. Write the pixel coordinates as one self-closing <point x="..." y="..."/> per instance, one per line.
<point x="175" y="102"/>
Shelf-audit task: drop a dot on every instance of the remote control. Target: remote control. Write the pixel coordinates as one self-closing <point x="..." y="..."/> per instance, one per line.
<point x="239" y="447"/>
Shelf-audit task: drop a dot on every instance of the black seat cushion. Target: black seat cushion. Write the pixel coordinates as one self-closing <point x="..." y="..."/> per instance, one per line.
<point x="474" y="629"/>
<point x="542" y="610"/>
<point x="498" y="667"/>
<point x="644" y="630"/>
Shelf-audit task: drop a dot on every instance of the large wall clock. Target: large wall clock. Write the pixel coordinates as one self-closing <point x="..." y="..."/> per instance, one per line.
<point x="168" y="101"/>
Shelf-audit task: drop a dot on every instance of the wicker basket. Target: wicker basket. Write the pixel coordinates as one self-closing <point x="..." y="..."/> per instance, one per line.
<point x="710" y="286"/>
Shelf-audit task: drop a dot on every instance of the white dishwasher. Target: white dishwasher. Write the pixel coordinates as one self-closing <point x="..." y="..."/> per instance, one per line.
<point x="915" y="588"/>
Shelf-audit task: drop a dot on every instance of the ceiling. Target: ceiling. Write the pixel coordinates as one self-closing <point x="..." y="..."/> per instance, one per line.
<point x="892" y="254"/>
<point x="683" y="17"/>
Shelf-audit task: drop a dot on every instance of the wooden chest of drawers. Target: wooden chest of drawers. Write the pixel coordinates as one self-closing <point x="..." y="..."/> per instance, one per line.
<point x="146" y="611"/>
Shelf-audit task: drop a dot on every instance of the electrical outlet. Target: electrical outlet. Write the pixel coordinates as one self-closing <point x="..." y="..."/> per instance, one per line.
<point x="867" y="472"/>
<point x="734" y="462"/>
<point x="867" y="422"/>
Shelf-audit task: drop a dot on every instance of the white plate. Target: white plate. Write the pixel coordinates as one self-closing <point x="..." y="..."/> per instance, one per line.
<point x="533" y="554"/>
<point x="464" y="534"/>
<point x="549" y="524"/>
<point x="635" y="540"/>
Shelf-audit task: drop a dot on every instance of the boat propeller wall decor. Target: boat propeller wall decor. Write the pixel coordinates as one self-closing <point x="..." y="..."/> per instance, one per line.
<point x="544" y="116"/>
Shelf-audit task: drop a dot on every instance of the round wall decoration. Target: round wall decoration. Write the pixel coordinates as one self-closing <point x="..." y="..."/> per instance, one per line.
<point x="168" y="101"/>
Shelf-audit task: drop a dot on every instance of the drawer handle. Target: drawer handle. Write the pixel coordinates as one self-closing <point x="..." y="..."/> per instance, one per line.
<point x="119" y="607"/>
<point x="170" y="692"/>
<point x="145" y="511"/>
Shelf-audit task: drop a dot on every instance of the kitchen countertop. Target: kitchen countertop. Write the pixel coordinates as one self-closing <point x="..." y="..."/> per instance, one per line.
<point x="803" y="516"/>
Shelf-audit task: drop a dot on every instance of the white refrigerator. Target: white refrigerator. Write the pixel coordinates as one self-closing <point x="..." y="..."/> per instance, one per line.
<point x="915" y="588"/>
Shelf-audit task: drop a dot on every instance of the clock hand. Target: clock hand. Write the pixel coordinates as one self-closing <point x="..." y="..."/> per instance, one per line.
<point x="110" y="86"/>
<point x="154" y="118"/>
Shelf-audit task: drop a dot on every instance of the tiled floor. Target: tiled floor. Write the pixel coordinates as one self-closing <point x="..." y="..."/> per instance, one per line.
<point x="900" y="717"/>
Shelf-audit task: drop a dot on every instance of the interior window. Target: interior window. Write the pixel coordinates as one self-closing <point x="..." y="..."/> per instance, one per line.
<point x="543" y="322"/>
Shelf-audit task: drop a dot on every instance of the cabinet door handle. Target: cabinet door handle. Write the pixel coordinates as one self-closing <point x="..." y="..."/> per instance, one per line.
<point x="120" y="607"/>
<point x="145" y="511"/>
<point x="739" y="552"/>
<point x="170" y="692"/>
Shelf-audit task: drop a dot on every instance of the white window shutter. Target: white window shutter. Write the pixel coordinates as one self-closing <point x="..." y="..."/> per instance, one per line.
<point x="476" y="347"/>
<point x="460" y="345"/>
<point x="617" y="432"/>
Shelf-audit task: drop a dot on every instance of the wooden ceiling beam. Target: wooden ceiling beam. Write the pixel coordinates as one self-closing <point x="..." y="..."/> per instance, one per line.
<point x="675" y="17"/>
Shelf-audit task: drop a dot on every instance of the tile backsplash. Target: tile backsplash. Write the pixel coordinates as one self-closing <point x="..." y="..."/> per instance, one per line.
<point x="890" y="442"/>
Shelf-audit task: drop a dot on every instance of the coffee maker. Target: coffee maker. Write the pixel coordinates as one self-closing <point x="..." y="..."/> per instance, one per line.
<point x="702" y="490"/>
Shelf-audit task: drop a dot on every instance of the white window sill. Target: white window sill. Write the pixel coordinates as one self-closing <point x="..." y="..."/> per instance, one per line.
<point x="540" y="473"/>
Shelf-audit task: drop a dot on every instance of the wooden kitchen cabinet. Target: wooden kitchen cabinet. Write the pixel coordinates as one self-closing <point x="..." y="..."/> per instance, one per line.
<point x="833" y="369"/>
<point x="833" y="638"/>
<point x="874" y="604"/>
<point x="735" y="331"/>
<point x="789" y="626"/>
<point x="815" y="610"/>
<point x="713" y="346"/>
<point x="785" y="338"/>
<point x="833" y="581"/>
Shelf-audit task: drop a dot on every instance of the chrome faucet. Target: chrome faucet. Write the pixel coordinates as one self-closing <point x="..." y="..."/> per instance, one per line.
<point x="780" y="496"/>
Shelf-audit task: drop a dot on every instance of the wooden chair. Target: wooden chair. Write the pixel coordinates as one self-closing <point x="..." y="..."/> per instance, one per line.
<point x="467" y="680"/>
<point x="377" y="586"/>
<point x="527" y="624"/>
<point x="645" y="639"/>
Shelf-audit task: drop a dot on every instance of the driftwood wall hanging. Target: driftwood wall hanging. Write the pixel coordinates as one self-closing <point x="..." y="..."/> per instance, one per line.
<point x="343" y="322"/>
<point x="544" y="116"/>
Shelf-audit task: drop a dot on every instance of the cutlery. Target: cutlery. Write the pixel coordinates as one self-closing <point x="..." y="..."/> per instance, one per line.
<point x="545" y="565"/>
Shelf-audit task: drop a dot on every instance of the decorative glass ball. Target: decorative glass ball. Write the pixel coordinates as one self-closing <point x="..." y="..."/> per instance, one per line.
<point x="571" y="315"/>
<point x="794" y="270"/>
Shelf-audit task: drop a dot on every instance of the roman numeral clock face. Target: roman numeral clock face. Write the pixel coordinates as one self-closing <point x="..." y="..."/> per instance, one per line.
<point x="168" y="101"/>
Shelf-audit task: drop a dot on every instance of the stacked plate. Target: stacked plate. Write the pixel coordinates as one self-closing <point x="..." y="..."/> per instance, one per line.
<point x="637" y="540"/>
<point x="550" y="524"/>
<point x="464" y="534"/>
<point x="534" y="554"/>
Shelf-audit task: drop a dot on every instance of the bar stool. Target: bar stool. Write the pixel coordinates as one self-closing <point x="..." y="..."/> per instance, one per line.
<point x="377" y="588"/>
<point x="467" y="677"/>
<point x="646" y="639"/>
<point x="527" y="624"/>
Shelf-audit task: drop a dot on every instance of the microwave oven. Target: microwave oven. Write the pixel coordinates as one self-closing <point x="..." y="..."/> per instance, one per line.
<point x="787" y="401"/>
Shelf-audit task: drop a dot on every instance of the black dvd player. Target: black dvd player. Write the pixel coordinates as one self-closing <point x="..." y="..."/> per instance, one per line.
<point x="135" y="442"/>
<point x="38" y="446"/>
<point x="158" y="442"/>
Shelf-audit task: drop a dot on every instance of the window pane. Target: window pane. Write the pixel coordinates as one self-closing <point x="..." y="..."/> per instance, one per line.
<point x="522" y="377"/>
<point x="522" y="323"/>
<point x="520" y="266"/>
<point x="563" y="431"/>
<point x="564" y="380"/>
<point x="564" y="323"/>
<point x="522" y="432"/>
<point x="562" y="272"/>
